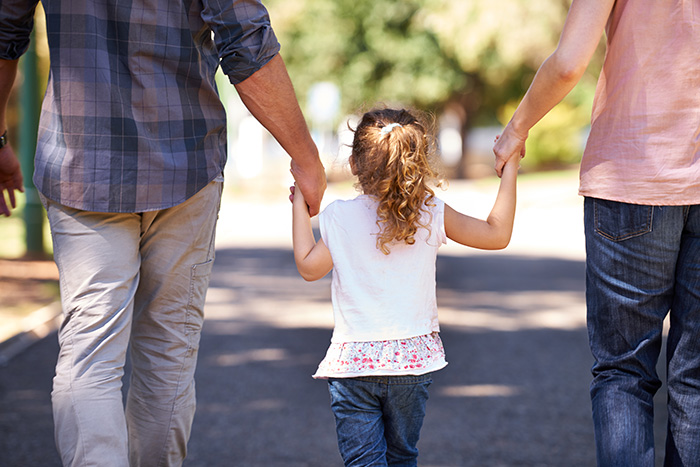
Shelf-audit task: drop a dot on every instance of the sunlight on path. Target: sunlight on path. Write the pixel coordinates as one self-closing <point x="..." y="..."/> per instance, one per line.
<point x="549" y="218"/>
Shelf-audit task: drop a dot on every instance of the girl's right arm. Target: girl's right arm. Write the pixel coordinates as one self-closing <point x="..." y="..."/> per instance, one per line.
<point x="313" y="259"/>
<point x="494" y="232"/>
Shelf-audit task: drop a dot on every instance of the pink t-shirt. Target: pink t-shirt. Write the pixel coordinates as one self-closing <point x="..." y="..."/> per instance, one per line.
<point x="644" y="146"/>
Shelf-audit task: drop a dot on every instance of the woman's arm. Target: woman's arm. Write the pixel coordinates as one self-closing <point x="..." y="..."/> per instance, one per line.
<point x="494" y="232"/>
<point x="313" y="259"/>
<point x="557" y="76"/>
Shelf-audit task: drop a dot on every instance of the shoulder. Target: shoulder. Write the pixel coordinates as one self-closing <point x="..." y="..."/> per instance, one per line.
<point x="438" y="204"/>
<point x="360" y="203"/>
<point x="332" y="208"/>
<point x="341" y="210"/>
<point x="435" y="206"/>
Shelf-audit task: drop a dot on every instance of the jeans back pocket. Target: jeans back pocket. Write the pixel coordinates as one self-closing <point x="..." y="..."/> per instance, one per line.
<point x="620" y="221"/>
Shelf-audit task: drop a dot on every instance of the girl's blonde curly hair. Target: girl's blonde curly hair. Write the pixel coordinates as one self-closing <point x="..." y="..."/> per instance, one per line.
<point x="392" y="154"/>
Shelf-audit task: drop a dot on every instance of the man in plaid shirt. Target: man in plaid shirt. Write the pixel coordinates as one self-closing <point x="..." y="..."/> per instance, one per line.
<point x="129" y="162"/>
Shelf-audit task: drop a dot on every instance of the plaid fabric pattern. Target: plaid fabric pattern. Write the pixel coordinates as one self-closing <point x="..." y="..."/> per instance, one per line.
<point x="132" y="121"/>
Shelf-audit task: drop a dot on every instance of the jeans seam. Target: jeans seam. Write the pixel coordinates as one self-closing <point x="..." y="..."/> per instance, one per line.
<point x="392" y="380"/>
<point x="190" y="300"/>
<point x="686" y="213"/>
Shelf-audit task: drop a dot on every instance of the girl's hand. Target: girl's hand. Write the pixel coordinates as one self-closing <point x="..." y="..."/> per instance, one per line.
<point x="296" y="196"/>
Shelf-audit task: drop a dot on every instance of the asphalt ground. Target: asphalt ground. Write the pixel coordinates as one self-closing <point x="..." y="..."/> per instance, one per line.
<point x="515" y="392"/>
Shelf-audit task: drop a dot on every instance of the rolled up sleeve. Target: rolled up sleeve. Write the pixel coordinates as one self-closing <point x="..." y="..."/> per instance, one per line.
<point x="16" y="23"/>
<point x="243" y="36"/>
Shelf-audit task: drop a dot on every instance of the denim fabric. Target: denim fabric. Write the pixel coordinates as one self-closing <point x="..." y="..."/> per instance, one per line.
<point x="135" y="280"/>
<point x="642" y="262"/>
<point x="378" y="418"/>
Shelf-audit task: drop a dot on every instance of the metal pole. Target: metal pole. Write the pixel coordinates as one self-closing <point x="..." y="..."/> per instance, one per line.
<point x="30" y="106"/>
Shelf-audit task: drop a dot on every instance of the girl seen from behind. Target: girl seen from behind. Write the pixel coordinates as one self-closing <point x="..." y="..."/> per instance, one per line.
<point x="382" y="248"/>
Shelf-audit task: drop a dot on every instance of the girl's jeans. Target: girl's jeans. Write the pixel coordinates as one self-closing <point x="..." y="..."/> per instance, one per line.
<point x="378" y="418"/>
<point x="138" y="280"/>
<point x="643" y="261"/>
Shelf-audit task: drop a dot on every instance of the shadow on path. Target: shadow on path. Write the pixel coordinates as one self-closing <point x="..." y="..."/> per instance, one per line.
<point x="515" y="392"/>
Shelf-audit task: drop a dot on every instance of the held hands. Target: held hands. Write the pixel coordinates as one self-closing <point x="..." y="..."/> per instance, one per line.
<point x="296" y="197"/>
<point x="10" y="179"/>
<point x="509" y="146"/>
<point x="310" y="181"/>
<point x="313" y="259"/>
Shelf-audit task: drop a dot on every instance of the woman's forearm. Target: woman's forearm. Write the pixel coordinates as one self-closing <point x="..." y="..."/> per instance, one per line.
<point x="557" y="76"/>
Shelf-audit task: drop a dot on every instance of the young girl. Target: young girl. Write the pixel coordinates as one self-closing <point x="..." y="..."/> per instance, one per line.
<point x="382" y="248"/>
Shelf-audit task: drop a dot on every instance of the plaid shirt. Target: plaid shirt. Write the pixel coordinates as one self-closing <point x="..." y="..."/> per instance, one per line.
<point x="132" y="121"/>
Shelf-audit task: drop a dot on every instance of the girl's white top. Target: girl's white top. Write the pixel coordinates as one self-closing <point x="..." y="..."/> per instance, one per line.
<point x="381" y="300"/>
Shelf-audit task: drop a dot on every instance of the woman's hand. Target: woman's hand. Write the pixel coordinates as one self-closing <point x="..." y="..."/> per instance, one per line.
<point x="508" y="145"/>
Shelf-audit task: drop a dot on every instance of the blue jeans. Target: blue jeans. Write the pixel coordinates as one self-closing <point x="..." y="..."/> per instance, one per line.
<point x="642" y="262"/>
<point x="378" y="418"/>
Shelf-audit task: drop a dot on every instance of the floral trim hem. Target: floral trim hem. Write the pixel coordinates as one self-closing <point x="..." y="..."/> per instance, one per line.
<point x="413" y="356"/>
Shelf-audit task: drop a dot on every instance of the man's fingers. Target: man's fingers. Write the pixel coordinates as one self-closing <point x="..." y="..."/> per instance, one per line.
<point x="3" y="205"/>
<point x="313" y="210"/>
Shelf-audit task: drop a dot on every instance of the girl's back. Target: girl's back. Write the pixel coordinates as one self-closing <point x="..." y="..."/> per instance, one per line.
<point x="378" y="296"/>
<point x="382" y="248"/>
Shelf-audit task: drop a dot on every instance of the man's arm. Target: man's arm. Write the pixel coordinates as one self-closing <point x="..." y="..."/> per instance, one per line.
<point x="269" y="95"/>
<point x="10" y="171"/>
<point x="557" y="76"/>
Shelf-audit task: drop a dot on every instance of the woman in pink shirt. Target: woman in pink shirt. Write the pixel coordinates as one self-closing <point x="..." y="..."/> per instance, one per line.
<point x="640" y="176"/>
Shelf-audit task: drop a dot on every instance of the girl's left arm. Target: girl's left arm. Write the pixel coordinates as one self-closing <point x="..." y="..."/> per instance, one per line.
<point x="493" y="233"/>
<point x="313" y="259"/>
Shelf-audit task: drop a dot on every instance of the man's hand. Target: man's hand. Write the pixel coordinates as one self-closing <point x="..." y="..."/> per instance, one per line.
<point x="10" y="179"/>
<point x="270" y="97"/>
<point x="312" y="183"/>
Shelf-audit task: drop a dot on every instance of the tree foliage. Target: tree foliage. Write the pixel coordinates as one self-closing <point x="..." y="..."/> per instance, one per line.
<point x="373" y="50"/>
<point x="475" y="58"/>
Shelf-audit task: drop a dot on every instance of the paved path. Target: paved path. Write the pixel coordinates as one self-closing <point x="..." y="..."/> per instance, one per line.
<point x="514" y="393"/>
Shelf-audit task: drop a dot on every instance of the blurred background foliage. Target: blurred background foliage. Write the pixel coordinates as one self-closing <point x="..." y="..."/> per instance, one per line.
<point x="471" y="59"/>
<point x="466" y="62"/>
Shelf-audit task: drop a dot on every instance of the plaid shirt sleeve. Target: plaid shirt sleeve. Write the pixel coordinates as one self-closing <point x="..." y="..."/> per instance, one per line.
<point x="243" y="36"/>
<point x="16" y="23"/>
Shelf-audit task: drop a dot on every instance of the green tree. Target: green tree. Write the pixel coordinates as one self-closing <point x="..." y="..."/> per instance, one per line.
<point x="473" y="58"/>
<point x="373" y="50"/>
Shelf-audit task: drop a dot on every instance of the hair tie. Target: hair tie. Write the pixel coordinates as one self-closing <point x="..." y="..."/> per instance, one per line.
<point x="387" y="129"/>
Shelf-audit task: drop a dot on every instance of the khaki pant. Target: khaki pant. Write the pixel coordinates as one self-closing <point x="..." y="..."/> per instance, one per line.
<point x="135" y="279"/>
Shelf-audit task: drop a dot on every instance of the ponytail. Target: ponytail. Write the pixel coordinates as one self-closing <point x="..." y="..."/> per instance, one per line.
<point x="391" y="157"/>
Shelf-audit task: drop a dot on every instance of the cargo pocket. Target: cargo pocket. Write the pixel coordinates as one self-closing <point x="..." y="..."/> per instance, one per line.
<point x="199" y="283"/>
